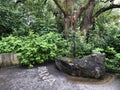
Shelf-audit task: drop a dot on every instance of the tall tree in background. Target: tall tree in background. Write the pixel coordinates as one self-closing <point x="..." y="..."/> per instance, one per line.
<point x="38" y="15"/>
<point x="74" y="14"/>
<point x="11" y="20"/>
<point x="85" y="10"/>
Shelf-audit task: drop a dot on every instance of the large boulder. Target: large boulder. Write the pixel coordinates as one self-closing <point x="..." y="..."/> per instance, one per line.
<point x="88" y="66"/>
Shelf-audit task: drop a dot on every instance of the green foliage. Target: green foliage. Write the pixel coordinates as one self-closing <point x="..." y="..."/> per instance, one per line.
<point x="113" y="65"/>
<point x="43" y="26"/>
<point x="110" y="52"/>
<point x="98" y="50"/>
<point x="35" y="49"/>
<point x="82" y="49"/>
<point x="39" y="16"/>
<point x="78" y="46"/>
<point x="10" y="44"/>
<point x="117" y="56"/>
<point x="11" y="21"/>
<point x="19" y="18"/>
<point x="105" y="35"/>
<point x="112" y="61"/>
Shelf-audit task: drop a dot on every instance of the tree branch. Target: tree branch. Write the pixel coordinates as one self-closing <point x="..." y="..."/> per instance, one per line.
<point x="88" y="16"/>
<point x="107" y="1"/>
<point x="59" y="5"/>
<point x="104" y="9"/>
<point x="79" y="11"/>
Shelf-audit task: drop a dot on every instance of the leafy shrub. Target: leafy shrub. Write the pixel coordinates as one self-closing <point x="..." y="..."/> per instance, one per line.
<point x="113" y="65"/>
<point x="106" y="36"/>
<point x="98" y="50"/>
<point x="12" y="21"/>
<point x="79" y="47"/>
<point x="82" y="49"/>
<point x="110" y="52"/>
<point x="10" y="44"/>
<point x="112" y="61"/>
<point x="117" y="56"/>
<point x="35" y="49"/>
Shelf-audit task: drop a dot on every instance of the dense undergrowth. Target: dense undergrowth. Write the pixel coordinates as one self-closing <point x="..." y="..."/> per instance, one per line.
<point x="35" y="49"/>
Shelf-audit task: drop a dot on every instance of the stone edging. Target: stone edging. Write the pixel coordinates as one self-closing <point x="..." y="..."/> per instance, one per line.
<point x="8" y="59"/>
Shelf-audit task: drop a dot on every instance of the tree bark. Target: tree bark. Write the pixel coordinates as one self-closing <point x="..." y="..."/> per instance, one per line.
<point x="70" y="18"/>
<point x="60" y="6"/>
<point x="67" y="25"/>
<point x="88" y="18"/>
<point x="104" y="9"/>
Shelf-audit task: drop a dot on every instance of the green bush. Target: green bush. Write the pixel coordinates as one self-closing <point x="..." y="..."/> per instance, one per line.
<point x="98" y="50"/>
<point x="110" y="52"/>
<point x="12" y="21"/>
<point x="83" y="49"/>
<point x="106" y="39"/>
<point x="112" y="61"/>
<point x="113" y="65"/>
<point x="78" y="45"/>
<point x="10" y="44"/>
<point x="35" y="49"/>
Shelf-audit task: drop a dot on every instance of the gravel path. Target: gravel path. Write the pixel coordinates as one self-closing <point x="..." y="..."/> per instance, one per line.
<point x="47" y="78"/>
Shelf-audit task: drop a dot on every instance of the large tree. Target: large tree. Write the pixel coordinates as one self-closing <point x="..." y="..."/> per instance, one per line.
<point x="11" y="20"/>
<point x="85" y="10"/>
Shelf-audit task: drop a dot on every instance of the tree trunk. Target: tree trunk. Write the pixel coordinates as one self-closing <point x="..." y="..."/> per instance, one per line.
<point x="88" y="18"/>
<point x="70" y="18"/>
<point x="67" y="26"/>
<point x="67" y="9"/>
<point x="70" y="23"/>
